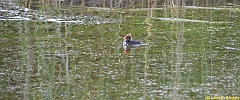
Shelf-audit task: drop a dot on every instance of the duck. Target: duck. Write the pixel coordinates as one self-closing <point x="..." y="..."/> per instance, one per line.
<point x="128" y="41"/>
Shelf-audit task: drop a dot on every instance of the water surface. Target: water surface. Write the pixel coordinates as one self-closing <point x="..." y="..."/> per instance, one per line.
<point x="64" y="54"/>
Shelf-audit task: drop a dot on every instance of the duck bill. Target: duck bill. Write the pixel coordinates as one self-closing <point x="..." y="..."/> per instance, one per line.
<point x="125" y="37"/>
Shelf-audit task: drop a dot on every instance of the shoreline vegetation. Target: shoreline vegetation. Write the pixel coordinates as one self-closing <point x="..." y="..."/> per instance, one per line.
<point x="132" y="4"/>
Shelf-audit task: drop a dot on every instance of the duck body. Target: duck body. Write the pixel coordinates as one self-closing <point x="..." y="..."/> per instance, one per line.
<point x="129" y="42"/>
<point x="133" y="42"/>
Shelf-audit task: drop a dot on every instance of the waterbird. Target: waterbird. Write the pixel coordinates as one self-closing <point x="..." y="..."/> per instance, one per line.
<point x="130" y="43"/>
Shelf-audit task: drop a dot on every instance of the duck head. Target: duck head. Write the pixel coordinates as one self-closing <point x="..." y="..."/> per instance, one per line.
<point x="128" y="37"/>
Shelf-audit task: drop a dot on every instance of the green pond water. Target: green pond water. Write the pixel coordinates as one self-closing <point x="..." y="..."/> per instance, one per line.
<point x="77" y="54"/>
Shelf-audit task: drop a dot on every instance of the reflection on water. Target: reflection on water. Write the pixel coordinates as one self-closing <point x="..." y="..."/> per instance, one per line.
<point x="184" y="59"/>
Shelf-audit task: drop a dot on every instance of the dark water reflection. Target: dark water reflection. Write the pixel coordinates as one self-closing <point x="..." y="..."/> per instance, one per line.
<point x="184" y="59"/>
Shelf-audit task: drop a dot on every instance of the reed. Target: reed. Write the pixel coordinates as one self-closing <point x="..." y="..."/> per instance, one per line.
<point x="131" y="4"/>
